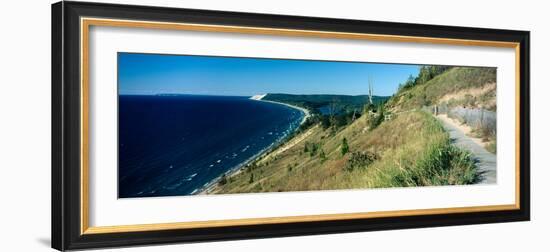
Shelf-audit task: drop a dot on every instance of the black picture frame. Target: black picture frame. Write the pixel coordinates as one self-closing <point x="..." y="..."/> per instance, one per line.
<point x="66" y="124"/>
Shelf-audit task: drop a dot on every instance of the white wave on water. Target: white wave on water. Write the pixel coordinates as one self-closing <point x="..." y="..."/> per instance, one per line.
<point x="279" y="134"/>
<point x="172" y="187"/>
<point x="190" y="177"/>
<point x="176" y="185"/>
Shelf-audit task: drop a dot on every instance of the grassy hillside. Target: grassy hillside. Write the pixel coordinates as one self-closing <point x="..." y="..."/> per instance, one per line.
<point x="410" y="150"/>
<point x="458" y="86"/>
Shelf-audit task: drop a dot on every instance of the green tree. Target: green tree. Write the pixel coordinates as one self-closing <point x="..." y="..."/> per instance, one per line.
<point x="410" y="82"/>
<point x="344" y="147"/>
<point x="251" y="180"/>
<point x="424" y="75"/>
<point x="378" y="119"/>
<point x="313" y="148"/>
<point x="322" y="155"/>
<point x="325" y="122"/>
<point x="340" y="120"/>
<point x="368" y="107"/>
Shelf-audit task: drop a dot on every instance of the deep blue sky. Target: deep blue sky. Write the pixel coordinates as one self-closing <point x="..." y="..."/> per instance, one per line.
<point x="156" y="73"/>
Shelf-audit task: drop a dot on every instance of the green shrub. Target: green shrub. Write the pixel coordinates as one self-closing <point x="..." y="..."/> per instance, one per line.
<point x="223" y="180"/>
<point x="344" y="147"/>
<point x="325" y="122"/>
<point x="359" y="160"/>
<point x="442" y="164"/>
<point x="251" y="180"/>
<point x="322" y="156"/>
<point x="312" y="148"/>
<point x="377" y="120"/>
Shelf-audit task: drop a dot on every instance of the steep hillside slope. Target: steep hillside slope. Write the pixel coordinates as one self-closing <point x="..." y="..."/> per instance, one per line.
<point x="458" y="86"/>
<point x="397" y="145"/>
<point x="405" y="151"/>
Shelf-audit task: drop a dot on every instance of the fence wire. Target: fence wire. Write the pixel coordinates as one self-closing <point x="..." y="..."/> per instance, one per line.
<point x="477" y="118"/>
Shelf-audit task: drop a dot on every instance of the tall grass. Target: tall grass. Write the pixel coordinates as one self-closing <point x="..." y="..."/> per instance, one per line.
<point x="440" y="164"/>
<point x="426" y="158"/>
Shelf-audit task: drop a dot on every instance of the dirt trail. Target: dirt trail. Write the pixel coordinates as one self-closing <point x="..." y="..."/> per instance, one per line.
<point x="485" y="160"/>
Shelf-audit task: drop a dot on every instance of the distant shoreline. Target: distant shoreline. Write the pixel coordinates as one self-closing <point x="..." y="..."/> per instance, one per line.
<point x="208" y="187"/>
<point x="305" y="111"/>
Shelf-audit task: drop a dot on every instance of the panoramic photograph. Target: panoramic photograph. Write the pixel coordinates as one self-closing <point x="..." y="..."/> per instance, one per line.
<point x="200" y="125"/>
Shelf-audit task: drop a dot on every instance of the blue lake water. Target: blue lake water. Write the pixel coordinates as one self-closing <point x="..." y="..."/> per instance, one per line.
<point x="174" y="145"/>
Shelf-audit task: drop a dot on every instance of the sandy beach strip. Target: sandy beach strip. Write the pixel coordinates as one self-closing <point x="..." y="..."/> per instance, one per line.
<point x="304" y="110"/>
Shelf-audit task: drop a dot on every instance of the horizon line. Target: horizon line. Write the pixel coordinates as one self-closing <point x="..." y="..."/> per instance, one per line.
<point x="159" y="94"/>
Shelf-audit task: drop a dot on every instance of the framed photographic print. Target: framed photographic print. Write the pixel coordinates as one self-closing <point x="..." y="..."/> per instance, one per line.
<point x="181" y="125"/>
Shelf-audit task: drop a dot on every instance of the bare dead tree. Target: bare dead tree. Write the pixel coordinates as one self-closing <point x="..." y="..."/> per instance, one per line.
<point x="332" y="110"/>
<point x="370" y="91"/>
